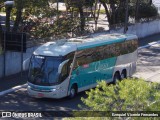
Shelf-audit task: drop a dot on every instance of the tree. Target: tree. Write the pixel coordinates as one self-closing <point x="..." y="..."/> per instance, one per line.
<point x="115" y="10"/>
<point x="95" y="12"/>
<point x="143" y="11"/>
<point x="80" y="4"/>
<point x="127" y="95"/>
<point x="103" y="2"/>
<point x="32" y="7"/>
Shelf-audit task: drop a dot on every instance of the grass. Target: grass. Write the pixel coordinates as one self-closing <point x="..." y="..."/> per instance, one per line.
<point x="102" y="11"/>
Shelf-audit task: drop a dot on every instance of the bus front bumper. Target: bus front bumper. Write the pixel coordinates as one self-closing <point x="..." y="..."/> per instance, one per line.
<point x="40" y="94"/>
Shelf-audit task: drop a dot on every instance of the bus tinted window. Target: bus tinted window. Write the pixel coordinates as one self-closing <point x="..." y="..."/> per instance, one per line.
<point x="103" y="52"/>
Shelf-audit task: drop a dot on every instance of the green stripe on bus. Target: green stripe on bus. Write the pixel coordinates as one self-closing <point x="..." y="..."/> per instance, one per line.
<point x="100" y="70"/>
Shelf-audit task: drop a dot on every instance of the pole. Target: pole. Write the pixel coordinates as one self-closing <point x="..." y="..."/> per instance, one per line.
<point x="4" y="55"/>
<point x="126" y="18"/>
<point x="8" y="12"/>
<point x="21" y="55"/>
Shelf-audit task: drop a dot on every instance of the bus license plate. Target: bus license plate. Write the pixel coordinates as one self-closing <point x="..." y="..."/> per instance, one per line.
<point x="40" y="95"/>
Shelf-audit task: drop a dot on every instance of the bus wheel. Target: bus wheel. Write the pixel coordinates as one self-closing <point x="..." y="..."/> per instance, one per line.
<point x="116" y="77"/>
<point x="123" y="74"/>
<point x="73" y="91"/>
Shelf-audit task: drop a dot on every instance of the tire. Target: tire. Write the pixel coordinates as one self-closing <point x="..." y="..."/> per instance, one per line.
<point x="116" y="77"/>
<point x="123" y="75"/>
<point x="73" y="92"/>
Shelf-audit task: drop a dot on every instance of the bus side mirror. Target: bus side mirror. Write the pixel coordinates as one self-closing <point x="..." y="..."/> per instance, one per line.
<point x="26" y="64"/>
<point x="61" y="65"/>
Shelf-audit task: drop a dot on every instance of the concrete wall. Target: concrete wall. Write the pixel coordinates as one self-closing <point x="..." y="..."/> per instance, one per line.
<point x="13" y="59"/>
<point x="141" y="29"/>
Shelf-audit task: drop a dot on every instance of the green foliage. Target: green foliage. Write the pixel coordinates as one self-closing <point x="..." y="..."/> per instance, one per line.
<point x="40" y="10"/>
<point x="128" y="95"/>
<point x="102" y="11"/>
<point x="120" y="15"/>
<point x="145" y="11"/>
<point x="59" y="28"/>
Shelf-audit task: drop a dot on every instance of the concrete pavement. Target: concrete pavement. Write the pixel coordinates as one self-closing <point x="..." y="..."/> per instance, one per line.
<point x="148" y="64"/>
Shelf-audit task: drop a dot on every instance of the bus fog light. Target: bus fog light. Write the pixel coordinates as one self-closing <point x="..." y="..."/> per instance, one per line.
<point x="53" y="90"/>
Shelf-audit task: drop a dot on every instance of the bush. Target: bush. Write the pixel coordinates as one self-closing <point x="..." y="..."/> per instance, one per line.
<point x="128" y="95"/>
<point x="145" y="11"/>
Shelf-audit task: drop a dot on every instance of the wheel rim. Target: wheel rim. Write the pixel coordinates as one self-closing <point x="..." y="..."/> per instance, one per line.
<point x="72" y="92"/>
<point x="116" y="79"/>
<point x="122" y="76"/>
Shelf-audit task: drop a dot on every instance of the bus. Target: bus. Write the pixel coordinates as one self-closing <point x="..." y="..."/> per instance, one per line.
<point x="66" y="67"/>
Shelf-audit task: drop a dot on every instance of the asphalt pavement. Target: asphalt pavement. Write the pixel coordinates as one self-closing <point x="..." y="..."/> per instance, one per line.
<point x="12" y="81"/>
<point x="16" y="80"/>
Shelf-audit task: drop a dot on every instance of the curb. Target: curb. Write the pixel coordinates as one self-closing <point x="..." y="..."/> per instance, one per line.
<point x="149" y="44"/>
<point x="13" y="89"/>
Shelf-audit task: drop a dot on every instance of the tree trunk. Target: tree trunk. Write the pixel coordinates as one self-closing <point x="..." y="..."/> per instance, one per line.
<point x="113" y="12"/>
<point x="82" y="18"/>
<point x="122" y="3"/>
<point x="126" y="17"/>
<point x="136" y="12"/>
<point x="150" y="2"/>
<point x="107" y="11"/>
<point x="8" y="13"/>
<point x="17" y="21"/>
<point x="18" y="15"/>
<point x="96" y="18"/>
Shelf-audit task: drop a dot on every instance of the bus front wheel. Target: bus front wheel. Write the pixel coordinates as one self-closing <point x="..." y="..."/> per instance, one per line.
<point x="73" y="91"/>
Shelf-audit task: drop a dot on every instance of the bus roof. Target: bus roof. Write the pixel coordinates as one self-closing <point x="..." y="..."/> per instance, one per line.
<point x="65" y="46"/>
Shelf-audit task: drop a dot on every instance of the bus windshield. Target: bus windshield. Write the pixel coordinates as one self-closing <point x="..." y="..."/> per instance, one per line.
<point x="44" y="70"/>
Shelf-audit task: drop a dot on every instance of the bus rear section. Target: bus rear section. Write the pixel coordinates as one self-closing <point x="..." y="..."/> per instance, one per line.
<point x="60" y="70"/>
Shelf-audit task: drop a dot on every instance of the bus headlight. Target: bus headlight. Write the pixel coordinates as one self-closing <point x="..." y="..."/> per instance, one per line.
<point x="55" y="89"/>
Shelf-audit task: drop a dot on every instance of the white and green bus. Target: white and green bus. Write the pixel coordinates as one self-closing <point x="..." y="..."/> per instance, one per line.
<point x="66" y="67"/>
